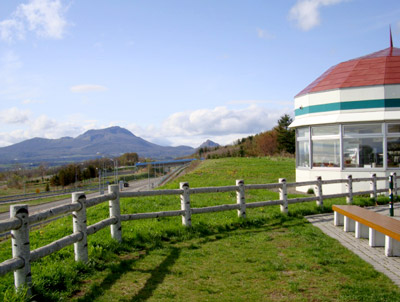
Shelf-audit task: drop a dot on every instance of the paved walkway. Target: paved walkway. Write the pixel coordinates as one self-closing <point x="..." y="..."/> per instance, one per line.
<point x="390" y="266"/>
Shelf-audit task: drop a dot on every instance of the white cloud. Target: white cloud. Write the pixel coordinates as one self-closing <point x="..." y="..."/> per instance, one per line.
<point x="306" y="12"/>
<point x="41" y="126"/>
<point x="87" y="88"/>
<point x="43" y="17"/>
<point x="11" y="137"/>
<point x="9" y="28"/>
<point x="220" y="124"/>
<point x="43" y="123"/>
<point x="264" y="34"/>
<point x="14" y="116"/>
<point x="220" y="121"/>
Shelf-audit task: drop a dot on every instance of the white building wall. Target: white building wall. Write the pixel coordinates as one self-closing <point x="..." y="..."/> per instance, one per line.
<point x="366" y="115"/>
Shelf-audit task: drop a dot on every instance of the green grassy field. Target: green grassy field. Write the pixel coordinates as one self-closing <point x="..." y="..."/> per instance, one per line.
<point x="266" y="257"/>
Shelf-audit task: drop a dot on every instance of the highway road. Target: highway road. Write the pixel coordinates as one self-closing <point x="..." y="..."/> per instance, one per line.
<point x="139" y="185"/>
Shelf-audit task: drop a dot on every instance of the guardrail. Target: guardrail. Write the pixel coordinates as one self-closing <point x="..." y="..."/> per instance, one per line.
<point x="20" y="220"/>
<point x="33" y="196"/>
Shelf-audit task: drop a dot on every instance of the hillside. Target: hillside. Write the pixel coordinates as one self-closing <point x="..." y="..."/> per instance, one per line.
<point x="265" y="257"/>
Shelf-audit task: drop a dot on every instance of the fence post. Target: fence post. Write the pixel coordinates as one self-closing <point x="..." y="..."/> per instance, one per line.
<point x="373" y="195"/>
<point x="394" y="174"/>
<point x="320" y="200"/>
<point x="21" y="246"/>
<point x="185" y="204"/>
<point x="115" y="211"/>
<point x="240" y="198"/>
<point x="79" y="225"/>
<point x="391" y="187"/>
<point x="349" y="198"/>
<point x="283" y="195"/>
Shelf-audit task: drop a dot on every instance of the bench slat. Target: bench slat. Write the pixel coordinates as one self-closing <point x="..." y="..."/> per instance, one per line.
<point x="383" y="224"/>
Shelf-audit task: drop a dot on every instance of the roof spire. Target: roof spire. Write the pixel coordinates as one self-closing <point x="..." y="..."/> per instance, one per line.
<point x="391" y="41"/>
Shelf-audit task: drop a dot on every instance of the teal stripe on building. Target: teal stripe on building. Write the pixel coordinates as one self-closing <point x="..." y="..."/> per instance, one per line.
<point x="369" y="104"/>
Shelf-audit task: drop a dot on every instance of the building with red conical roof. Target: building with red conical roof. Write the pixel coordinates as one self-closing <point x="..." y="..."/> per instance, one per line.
<point x="348" y="121"/>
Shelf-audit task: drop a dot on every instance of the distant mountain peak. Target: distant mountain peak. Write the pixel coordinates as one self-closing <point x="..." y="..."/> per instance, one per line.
<point x="109" y="130"/>
<point x="209" y="144"/>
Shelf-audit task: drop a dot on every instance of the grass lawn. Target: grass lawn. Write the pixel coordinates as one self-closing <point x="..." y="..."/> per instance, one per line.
<point x="267" y="257"/>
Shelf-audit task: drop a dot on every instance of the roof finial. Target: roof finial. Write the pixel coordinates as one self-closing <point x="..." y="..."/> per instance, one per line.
<point x="391" y="41"/>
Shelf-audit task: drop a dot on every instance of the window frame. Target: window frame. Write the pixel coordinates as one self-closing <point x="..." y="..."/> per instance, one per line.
<point x="307" y="139"/>
<point x="341" y="136"/>
<point x="324" y="138"/>
<point x="390" y="135"/>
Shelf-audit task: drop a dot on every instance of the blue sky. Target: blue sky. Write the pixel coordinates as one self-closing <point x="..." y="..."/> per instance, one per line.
<point x="173" y="72"/>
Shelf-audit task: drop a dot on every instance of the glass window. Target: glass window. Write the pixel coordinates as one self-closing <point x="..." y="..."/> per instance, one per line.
<point x="326" y="153"/>
<point x="363" y="152"/>
<point x="393" y="149"/>
<point x="362" y="129"/>
<point x="303" y="132"/>
<point x="303" y="154"/>
<point x="325" y="130"/>
<point x="394" y="128"/>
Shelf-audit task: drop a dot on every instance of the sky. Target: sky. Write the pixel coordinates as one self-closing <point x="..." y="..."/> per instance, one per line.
<point x="174" y="72"/>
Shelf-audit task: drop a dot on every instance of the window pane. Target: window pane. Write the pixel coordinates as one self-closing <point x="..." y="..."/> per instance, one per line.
<point x="362" y="129"/>
<point x="394" y="128"/>
<point x="393" y="147"/>
<point x="363" y="152"/>
<point x="303" y="153"/>
<point x="303" y="132"/>
<point x="326" y="153"/>
<point x="325" y="130"/>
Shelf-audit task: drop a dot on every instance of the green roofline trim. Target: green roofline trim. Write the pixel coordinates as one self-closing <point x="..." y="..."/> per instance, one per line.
<point x="369" y="104"/>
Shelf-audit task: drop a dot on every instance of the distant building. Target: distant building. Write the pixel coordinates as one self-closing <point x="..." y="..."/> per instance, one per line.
<point x="348" y="121"/>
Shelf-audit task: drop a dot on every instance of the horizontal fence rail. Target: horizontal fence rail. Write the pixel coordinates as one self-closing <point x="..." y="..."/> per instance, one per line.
<point x="20" y="221"/>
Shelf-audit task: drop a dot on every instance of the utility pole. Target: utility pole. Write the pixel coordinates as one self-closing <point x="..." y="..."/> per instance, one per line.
<point x="148" y="173"/>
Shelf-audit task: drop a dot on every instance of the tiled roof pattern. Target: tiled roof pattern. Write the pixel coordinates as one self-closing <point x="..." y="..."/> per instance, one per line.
<point x="379" y="68"/>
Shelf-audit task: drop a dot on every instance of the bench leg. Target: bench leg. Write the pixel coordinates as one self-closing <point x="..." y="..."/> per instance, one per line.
<point x="337" y="219"/>
<point x="349" y="224"/>
<point x="376" y="238"/>
<point x="392" y="247"/>
<point x="362" y="231"/>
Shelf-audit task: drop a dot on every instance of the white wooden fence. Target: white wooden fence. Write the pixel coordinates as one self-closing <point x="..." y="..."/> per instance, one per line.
<point x="20" y="220"/>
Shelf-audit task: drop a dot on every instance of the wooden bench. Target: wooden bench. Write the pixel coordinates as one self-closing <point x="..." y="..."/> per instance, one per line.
<point x="379" y="229"/>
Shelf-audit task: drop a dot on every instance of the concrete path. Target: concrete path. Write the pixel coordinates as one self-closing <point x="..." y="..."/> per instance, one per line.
<point x="390" y="266"/>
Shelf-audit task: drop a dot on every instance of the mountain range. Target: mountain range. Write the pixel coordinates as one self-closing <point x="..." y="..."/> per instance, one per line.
<point x="108" y="142"/>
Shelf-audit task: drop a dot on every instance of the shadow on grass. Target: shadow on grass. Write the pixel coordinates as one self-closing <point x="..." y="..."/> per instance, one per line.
<point x="118" y="270"/>
<point x="157" y="276"/>
<point x="201" y="231"/>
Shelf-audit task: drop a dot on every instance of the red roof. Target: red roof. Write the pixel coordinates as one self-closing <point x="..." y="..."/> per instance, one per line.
<point x="378" y="68"/>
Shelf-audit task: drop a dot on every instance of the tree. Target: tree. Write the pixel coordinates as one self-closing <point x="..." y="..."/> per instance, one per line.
<point x="15" y="181"/>
<point x="285" y="135"/>
<point x="42" y="170"/>
<point x="267" y="142"/>
<point x="55" y="181"/>
<point x="128" y="159"/>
